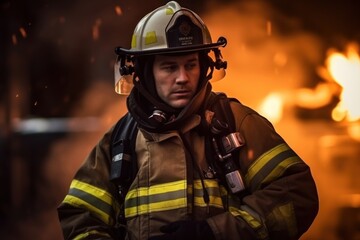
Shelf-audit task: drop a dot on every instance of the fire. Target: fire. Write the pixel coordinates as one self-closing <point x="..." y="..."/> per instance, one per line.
<point x="345" y="70"/>
<point x="272" y="107"/>
<point x="342" y="72"/>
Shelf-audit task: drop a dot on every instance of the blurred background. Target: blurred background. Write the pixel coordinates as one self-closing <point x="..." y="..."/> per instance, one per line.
<point x="296" y="62"/>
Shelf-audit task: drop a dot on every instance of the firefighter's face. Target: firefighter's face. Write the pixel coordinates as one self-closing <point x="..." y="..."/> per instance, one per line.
<point x="176" y="78"/>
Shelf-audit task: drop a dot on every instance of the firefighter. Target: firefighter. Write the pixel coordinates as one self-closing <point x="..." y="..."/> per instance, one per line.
<point x="187" y="183"/>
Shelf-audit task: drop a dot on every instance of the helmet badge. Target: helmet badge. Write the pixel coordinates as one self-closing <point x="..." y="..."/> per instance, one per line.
<point x="184" y="28"/>
<point x="184" y="33"/>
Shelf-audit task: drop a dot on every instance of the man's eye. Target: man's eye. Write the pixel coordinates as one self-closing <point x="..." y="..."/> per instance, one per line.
<point x="190" y="66"/>
<point x="169" y="67"/>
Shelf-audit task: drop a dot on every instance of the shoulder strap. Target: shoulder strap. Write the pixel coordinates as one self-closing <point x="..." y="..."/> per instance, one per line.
<point x="219" y="103"/>
<point x="123" y="166"/>
<point x="224" y="142"/>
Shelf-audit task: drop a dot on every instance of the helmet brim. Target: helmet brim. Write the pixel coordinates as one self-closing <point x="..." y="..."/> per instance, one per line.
<point x="191" y="48"/>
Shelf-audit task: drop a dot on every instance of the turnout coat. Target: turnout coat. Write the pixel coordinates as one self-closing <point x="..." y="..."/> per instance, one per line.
<point x="281" y="203"/>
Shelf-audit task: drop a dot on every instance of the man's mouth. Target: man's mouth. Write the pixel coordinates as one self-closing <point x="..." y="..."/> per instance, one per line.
<point x="182" y="93"/>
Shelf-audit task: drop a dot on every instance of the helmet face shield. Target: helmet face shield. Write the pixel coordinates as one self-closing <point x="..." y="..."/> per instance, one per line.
<point x="216" y="73"/>
<point x="123" y="78"/>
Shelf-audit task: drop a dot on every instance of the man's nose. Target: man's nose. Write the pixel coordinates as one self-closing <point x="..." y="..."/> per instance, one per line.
<point x="182" y="75"/>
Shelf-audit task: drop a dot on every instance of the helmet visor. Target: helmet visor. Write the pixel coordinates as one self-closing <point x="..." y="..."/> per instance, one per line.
<point x="123" y="81"/>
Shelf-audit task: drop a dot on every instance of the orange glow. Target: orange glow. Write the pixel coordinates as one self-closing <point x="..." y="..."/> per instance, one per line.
<point x="272" y="107"/>
<point x="268" y="28"/>
<point x="309" y="98"/>
<point x="345" y="70"/>
<point x="280" y="59"/>
<point x="14" y="39"/>
<point x="118" y="10"/>
<point x="23" y="32"/>
<point x="354" y="131"/>
<point x="96" y="29"/>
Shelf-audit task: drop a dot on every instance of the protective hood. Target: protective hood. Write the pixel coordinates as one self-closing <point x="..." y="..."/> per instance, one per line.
<point x="141" y="110"/>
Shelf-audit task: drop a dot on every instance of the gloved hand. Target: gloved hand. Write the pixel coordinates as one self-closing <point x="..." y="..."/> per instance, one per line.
<point x="185" y="230"/>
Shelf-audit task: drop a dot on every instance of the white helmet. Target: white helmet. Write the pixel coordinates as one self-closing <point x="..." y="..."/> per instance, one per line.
<point x="167" y="29"/>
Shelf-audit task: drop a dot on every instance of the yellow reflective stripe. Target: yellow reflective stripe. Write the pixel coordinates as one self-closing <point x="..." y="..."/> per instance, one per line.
<point x="92" y="232"/>
<point x="133" y="41"/>
<point x="213" y="190"/>
<point x="161" y="197"/>
<point x="157" y="189"/>
<point x="170" y="196"/>
<point x="95" y="191"/>
<point x="263" y="159"/>
<point x="280" y="168"/>
<point x="209" y="183"/>
<point x="214" y="202"/>
<point x="169" y="11"/>
<point x="270" y="165"/>
<point x="150" y="38"/>
<point x="155" y="207"/>
<point x="77" y="202"/>
<point x="96" y="200"/>
<point x="251" y="220"/>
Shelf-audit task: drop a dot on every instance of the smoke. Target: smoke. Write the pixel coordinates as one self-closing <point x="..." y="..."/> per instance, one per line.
<point x="266" y="52"/>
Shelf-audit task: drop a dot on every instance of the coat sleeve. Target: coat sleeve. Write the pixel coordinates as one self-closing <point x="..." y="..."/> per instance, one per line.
<point x="282" y="199"/>
<point x="90" y="208"/>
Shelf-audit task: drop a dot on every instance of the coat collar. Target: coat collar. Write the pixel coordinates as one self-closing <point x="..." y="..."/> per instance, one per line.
<point x="189" y="124"/>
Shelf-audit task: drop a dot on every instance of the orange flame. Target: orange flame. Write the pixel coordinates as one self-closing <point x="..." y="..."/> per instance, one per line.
<point x="272" y="107"/>
<point x="345" y="70"/>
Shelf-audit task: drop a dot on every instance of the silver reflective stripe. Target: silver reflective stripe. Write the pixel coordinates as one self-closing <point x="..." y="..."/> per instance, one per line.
<point x="121" y="156"/>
